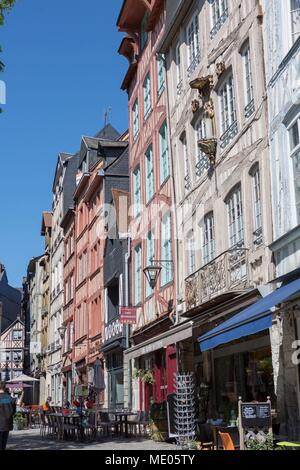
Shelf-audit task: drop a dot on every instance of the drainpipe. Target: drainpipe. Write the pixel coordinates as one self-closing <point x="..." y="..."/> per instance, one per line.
<point x="127" y="258"/>
<point x="175" y="221"/>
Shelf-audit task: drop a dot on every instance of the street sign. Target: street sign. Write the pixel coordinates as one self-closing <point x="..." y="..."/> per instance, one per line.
<point x="128" y="315"/>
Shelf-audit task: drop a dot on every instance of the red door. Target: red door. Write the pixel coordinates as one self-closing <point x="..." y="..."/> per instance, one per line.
<point x="171" y="367"/>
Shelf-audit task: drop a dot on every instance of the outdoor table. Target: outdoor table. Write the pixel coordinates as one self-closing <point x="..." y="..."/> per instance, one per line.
<point x="122" y="416"/>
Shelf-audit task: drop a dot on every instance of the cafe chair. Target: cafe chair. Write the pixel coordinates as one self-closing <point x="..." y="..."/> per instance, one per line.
<point x="227" y="442"/>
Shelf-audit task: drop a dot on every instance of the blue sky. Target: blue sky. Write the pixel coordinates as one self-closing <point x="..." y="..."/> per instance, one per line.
<point x="62" y="72"/>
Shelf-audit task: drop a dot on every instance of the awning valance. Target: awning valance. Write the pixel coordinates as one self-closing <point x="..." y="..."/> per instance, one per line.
<point x="253" y="319"/>
<point x="172" y="336"/>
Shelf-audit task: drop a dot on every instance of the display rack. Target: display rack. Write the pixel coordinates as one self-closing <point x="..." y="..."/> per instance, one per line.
<point x="185" y="410"/>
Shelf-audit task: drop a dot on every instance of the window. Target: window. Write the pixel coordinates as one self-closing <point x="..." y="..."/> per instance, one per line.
<point x="249" y="98"/>
<point x="294" y="137"/>
<point x="209" y="245"/>
<point x="147" y="96"/>
<point x="256" y="190"/>
<point x="202" y="164"/>
<point x="135" y="113"/>
<point x="149" y="174"/>
<point x="17" y="335"/>
<point x="235" y="215"/>
<point x="138" y="274"/>
<point x="166" y="250"/>
<point x="164" y="153"/>
<point x="137" y="191"/>
<point x="219" y="15"/>
<point x="187" y="177"/>
<point x="191" y="255"/>
<point x="295" y="19"/>
<point x="144" y="34"/>
<point x="79" y="322"/>
<point x="17" y="356"/>
<point x="193" y="45"/>
<point x="161" y="74"/>
<point x="150" y="256"/>
<point x="179" y="81"/>
<point x="228" y="112"/>
<point x="71" y="287"/>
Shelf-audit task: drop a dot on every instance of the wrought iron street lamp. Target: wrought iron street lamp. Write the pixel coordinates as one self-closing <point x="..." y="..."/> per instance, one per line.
<point x="62" y="331"/>
<point x="153" y="271"/>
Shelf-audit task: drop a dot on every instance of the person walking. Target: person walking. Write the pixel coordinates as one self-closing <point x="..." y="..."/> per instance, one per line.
<point x="7" y="412"/>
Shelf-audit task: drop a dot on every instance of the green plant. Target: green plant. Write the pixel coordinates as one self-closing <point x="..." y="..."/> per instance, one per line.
<point x="19" y="421"/>
<point x="258" y="444"/>
<point x="148" y="377"/>
<point x="136" y="374"/>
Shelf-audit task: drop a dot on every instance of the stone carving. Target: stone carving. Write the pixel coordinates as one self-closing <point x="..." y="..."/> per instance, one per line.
<point x="220" y="68"/>
<point x="209" y="147"/>
<point x="203" y="84"/>
<point x="195" y="105"/>
<point x="209" y="108"/>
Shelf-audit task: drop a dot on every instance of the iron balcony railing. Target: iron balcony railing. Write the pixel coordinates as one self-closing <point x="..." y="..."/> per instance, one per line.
<point x="229" y="134"/>
<point x="219" y="23"/>
<point x="226" y="273"/>
<point x="180" y="88"/>
<point x="249" y="109"/>
<point x="196" y="60"/>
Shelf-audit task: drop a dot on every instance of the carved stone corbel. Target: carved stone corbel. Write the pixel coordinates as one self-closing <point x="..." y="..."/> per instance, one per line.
<point x="209" y="147"/>
<point x="203" y="84"/>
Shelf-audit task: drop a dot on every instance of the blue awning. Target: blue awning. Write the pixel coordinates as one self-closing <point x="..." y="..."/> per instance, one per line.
<point x="253" y="319"/>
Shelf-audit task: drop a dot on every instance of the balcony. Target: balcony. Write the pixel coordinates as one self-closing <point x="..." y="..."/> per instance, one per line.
<point x="219" y="23"/>
<point x="193" y="65"/>
<point x="229" y="135"/>
<point x="249" y="109"/>
<point x="228" y="273"/>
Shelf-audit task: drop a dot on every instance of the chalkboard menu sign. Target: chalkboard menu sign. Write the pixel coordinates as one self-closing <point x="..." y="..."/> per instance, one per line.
<point x="256" y="415"/>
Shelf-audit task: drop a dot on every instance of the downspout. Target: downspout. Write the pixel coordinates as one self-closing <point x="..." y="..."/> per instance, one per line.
<point x="127" y="258"/>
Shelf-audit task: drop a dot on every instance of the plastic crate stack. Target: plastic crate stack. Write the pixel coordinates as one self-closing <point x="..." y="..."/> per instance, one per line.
<point x="185" y="410"/>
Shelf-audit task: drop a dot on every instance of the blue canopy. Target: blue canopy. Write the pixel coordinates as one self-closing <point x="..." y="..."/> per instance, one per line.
<point x="253" y="319"/>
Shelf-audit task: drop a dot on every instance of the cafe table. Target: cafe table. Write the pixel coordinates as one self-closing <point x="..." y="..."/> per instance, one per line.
<point x="121" y="417"/>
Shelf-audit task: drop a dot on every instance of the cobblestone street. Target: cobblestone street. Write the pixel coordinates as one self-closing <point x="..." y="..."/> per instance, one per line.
<point x="31" y="440"/>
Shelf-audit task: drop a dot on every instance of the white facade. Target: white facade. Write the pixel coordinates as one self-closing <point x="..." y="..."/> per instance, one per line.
<point x="54" y="385"/>
<point x="282" y="65"/>
<point x="282" y="55"/>
<point x="224" y="203"/>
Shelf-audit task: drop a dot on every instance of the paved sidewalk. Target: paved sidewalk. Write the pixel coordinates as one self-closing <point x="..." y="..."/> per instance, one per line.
<point x="31" y="440"/>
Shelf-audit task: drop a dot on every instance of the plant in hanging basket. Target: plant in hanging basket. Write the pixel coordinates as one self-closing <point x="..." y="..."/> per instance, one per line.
<point x="148" y="377"/>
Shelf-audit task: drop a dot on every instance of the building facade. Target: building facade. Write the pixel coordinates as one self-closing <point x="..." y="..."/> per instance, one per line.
<point x="218" y="117"/>
<point x="282" y="65"/>
<point x="151" y="195"/>
<point x="12" y="351"/>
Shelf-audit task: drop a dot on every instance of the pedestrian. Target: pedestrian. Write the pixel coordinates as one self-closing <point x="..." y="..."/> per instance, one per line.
<point x="7" y="412"/>
<point x="46" y="406"/>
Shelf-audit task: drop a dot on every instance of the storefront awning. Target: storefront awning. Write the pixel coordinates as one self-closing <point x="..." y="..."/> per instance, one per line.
<point x="172" y="336"/>
<point x="253" y="319"/>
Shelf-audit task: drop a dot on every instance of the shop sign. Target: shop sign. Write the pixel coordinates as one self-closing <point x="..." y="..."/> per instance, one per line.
<point x="113" y="330"/>
<point x="256" y="415"/>
<point x="128" y="315"/>
<point x="152" y="347"/>
<point x="254" y="418"/>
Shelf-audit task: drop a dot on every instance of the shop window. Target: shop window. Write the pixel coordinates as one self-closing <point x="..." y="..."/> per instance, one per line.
<point x="248" y="374"/>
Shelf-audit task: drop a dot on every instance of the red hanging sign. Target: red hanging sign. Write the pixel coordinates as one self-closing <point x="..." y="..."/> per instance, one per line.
<point x="128" y="315"/>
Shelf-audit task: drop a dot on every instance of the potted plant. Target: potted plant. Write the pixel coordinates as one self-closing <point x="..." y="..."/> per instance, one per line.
<point x="260" y="443"/>
<point x="158" y="426"/>
<point x="19" y="422"/>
